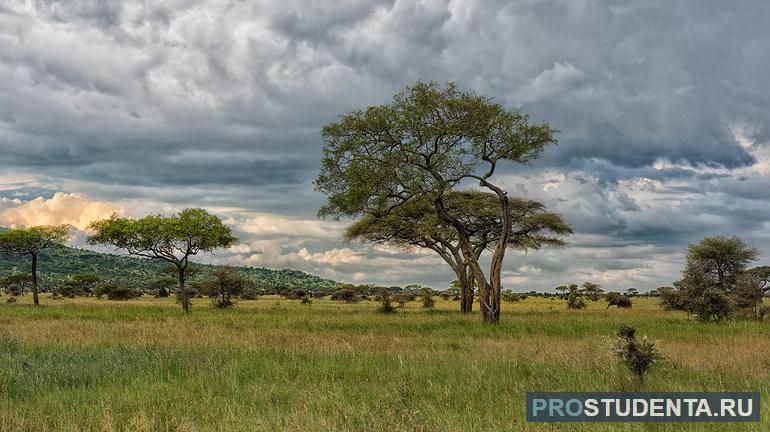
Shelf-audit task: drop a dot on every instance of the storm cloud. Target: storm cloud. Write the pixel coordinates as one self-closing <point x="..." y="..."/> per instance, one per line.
<point x="663" y="110"/>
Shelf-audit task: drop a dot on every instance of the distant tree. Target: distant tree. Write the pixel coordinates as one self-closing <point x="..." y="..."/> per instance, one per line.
<point x="403" y="298"/>
<point x="427" y="298"/>
<point x="512" y="297"/>
<point x="16" y="283"/>
<point x="31" y="242"/>
<point x="172" y="239"/>
<point x="713" y="269"/>
<point x="416" y="225"/>
<point x="562" y="290"/>
<point x="345" y="294"/>
<point x="122" y="293"/>
<point x="223" y="285"/>
<point x="163" y="285"/>
<point x="592" y="290"/>
<point x="385" y="301"/>
<point x="747" y="294"/>
<point x="574" y="299"/>
<point x="429" y="141"/>
<point x="632" y="292"/>
<point x="83" y="283"/>
<point x="762" y="274"/>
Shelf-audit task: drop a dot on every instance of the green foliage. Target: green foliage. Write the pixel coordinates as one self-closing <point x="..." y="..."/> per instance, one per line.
<point x="427" y="298"/>
<point x="32" y="240"/>
<point x="222" y="286"/>
<point x="709" y="288"/>
<point x="347" y="295"/>
<point x="711" y="305"/>
<point x="637" y="356"/>
<point x="574" y="299"/>
<point x="385" y="302"/>
<point x="592" y="290"/>
<point x="113" y="292"/>
<point x="404" y="297"/>
<point x="512" y="297"/>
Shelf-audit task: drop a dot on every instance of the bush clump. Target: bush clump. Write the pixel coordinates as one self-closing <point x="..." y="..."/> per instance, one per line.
<point x="637" y="356"/>
<point x="617" y="299"/>
<point x="385" y="304"/>
<point x="346" y="295"/>
<point x="574" y="299"/>
<point x="223" y="286"/>
<point x="427" y="298"/>
<point x="114" y="292"/>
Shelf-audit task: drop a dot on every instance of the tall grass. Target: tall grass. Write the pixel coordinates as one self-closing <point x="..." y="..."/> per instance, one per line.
<point x="274" y="364"/>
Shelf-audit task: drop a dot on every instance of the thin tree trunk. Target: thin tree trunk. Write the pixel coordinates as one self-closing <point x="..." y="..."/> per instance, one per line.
<point x="466" y="290"/>
<point x="183" y="291"/>
<point x="35" y="298"/>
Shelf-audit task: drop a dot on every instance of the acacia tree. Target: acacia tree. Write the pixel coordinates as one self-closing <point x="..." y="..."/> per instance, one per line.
<point x="416" y="225"/>
<point x="172" y="239"/>
<point x="429" y="141"/>
<point x="31" y="242"/>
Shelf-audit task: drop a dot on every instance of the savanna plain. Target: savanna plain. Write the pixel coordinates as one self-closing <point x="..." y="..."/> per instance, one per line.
<point x="276" y="364"/>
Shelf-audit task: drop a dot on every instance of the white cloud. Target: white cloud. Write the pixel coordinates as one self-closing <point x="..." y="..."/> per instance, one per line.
<point x="61" y="208"/>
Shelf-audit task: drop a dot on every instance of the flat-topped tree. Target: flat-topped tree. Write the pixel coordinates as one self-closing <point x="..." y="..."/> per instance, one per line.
<point x="429" y="141"/>
<point x="416" y="225"/>
<point x="172" y="239"/>
<point x="31" y="242"/>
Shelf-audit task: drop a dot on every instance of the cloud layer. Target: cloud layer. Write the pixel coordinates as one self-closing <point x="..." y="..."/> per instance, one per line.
<point x="664" y="112"/>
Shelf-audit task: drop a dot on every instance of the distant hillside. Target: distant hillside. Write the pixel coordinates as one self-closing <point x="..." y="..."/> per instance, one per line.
<point x="57" y="264"/>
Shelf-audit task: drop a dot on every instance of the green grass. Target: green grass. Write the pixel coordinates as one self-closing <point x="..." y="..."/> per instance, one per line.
<point x="274" y="364"/>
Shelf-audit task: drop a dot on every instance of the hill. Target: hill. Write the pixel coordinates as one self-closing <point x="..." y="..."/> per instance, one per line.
<point x="58" y="264"/>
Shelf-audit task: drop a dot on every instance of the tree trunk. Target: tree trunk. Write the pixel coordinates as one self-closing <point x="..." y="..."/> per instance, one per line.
<point x="35" y="298"/>
<point x="183" y="290"/>
<point x="466" y="290"/>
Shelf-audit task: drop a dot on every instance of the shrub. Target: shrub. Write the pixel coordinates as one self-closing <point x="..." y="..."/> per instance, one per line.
<point x="512" y="297"/>
<point x="121" y="293"/>
<point x="222" y="286"/>
<point x="385" y="304"/>
<point x="574" y="300"/>
<point x="298" y="294"/>
<point x="346" y="295"/>
<point x="10" y="300"/>
<point x="712" y="305"/>
<point x="305" y="300"/>
<point x="249" y="294"/>
<point x="427" y="299"/>
<point x="403" y="298"/>
<point x="319" y="294"/>
<point x="637" y="356"/>
<point x="673" y="299"/>
<point x="617" y="299"/>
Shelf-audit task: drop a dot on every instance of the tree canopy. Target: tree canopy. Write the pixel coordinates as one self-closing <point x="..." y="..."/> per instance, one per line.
<point x="30" y="242"/>
<point x="173" y="239"/>
<point x="416" y="225"/>
<point x="427" y="142"/>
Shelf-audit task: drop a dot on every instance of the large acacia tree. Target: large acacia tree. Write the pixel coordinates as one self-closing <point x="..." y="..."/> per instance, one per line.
<point x="416" y="225"/>
<point x="31" y="242"/>
<point x="429" y="141"/>
<point x="172" y="239"/>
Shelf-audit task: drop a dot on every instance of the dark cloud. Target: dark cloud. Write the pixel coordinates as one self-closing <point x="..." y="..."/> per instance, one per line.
<point x="664" y="109"/>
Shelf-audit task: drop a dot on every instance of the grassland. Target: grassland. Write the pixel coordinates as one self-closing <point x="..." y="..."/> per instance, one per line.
<point x="272" y="364"/>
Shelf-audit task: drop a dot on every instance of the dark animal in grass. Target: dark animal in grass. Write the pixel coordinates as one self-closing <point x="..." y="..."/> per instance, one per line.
<point x="619" y="300"/>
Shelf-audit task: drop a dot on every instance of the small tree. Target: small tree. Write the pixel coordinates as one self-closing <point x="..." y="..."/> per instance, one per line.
<point x="122" y="293"/>
<point x="172" y="239"/>
<point x="16" y="283"/>
<point x="31" y="242"/>
<point x="427" y="298"/>
<point x="83" y="283"/>
<point x="385" y="303"/>
<point x="223" y="285"/>
<point x="632" y="292"/>
<point x="592" y="290"/>
<point x="574" y="299"/>
<point x="345" y="294"/>
<point x="403" y="298"/>
<point x="637" y="356"/>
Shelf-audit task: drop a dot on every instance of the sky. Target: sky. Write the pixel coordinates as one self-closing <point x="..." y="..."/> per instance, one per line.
<point x="136" y="107"/>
